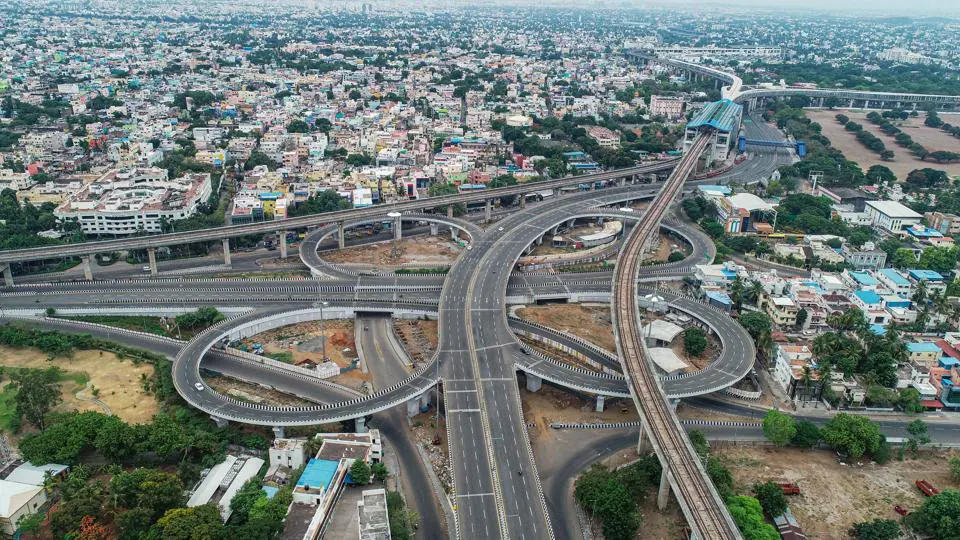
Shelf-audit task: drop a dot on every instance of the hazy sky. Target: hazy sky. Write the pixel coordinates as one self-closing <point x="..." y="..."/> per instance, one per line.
<point x="915" y="8"/>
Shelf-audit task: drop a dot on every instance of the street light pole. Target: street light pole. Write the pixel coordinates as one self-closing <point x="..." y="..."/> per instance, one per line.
<point x="323" y="327"/>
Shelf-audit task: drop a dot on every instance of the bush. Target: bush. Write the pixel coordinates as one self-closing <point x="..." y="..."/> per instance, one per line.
<point x="779" y="428"/>
<point x="851" y="434"/>
<point x="807" y="435"/>
<point x="878" y="529"/>
<point x="748" y="515"/>
<point x="771" y="498"/>
<point x="694" y="341"/>
<point x="938" y="517"/>
<point x="601" y="495"/>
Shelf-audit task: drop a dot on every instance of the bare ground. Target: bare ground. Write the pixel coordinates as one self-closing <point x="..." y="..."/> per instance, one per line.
<point x="118" y="381"/>
<point x="591" y="323"/>
<point x="425" y="427"/>
<point x="553" y="405"/>
<point x="904" y="162"/>
<point x="419" y="337"/>
<point x="836" y="496"/>
<point x="253" y="392"/>
<point x="426" y="250"/>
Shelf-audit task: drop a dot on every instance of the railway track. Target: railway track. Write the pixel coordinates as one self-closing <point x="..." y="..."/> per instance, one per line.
<point x="708" y="515"/>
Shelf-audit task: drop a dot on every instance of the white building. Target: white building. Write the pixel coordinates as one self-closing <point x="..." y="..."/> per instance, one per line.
<point x="671" y="107"/>
<point x="891" y="216"/>
<point x="374" y="522"/>
<point x="16" y="502"/>
<point x="123" y="202"/>
<point x="288" y="453"/>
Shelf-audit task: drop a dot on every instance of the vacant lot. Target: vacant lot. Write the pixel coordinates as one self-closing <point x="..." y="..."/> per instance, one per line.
<point x="591" y="323"/>
<point x="836" y="496"/>
<point x="904" y="162"/>
<point x="418" y="250"/>
<point x="118" y="381"/>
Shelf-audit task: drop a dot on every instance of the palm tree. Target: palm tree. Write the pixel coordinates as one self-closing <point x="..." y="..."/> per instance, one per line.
<point x="824" y="373"/>
<point x="736" y="294"/>
<point x="765" y="346"/>
<point x="920" y="294"/>
<point x="754" y="291"/>
<point x="806" y="376"/>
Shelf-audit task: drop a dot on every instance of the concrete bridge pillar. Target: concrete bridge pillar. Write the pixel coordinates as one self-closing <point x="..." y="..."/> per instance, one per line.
<point x="220" y="422"/>
<point x="87" y="267"/>
<point x="283" y="244"/>
<point x="663" y="494"/>
<point x="643" y="441"/>
<point x="278" y="432"/>
<point x="539" y="240"/>
<point x="570" y="222"/>
<point x="226" y="252"/>
<point x="397" y="226"/>
<point x="553" y="231"/>
<point x="487" y="210"/>
<point x="523" y="200"/>
<point x="600" y="402"/>
<point x="341" y="239"/>
<point x="152" y="260"/>
<point x="454" y="233"/>
<point x="533" y="383"/>
<point x="434" y="229"/>
<point x="852" y="102"/>
<point x="622" y="181"/>
<point x="361" y="424"/>
<point x="413" y="407"/>
<point x="425" y="399"/>
<point x="450" y="211"/>
<point x="7" y="276"/>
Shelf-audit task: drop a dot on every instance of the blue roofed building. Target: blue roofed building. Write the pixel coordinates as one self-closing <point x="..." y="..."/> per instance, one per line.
<point x="895" y="281"/>
<point x="723" y="118"/>
<point x="925" y="353"/>
<point x="932" y="280"/>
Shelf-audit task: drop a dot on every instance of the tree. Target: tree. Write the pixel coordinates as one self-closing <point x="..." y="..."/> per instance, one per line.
<point x="380" y="472"/>
<point x="938" y="516"/>
<point x="881" y="173"/>
<point x="878" y="529"/>
<point x="910" y="401"/>
<point x="298" y="126"/>
<point x="918" y="434"/>
<point x="712" y="228"/>
<point x="259" y="158"/>
<point x="602" y="496"/>
<point x="887" y="155"/>
<point x="852" y="434"/>
<point x="694" y="341"/>
<point x="197" y="523"/>
<point x="324" y="201"/>
<point x="801" y="317"/>
<point x="771" y="498"/>
<point x="748" y="515"/>
<point x="358" y="160"/>
<point x="38" y="391"/>
<point x="807" y="435"/>
<point x="360" y="472"/>
<point x="756" y="323"/>
<point x="955" y="467"/>
<point x="779" y="428"/>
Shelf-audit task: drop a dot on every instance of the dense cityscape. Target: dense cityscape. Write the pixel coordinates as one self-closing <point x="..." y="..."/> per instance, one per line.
<point x="343" y="269"/>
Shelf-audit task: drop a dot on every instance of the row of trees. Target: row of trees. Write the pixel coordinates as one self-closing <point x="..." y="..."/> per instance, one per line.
<point x="866" y="138"/>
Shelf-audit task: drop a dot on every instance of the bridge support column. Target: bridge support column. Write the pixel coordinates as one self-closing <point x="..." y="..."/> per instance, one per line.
<point x="434" y="229"/>
<point x="487" y="210"/>
<point x="413" y="407"/>
<point x="600" y="401"/>
<point x="283" y="244"/>
<point x="7" y="276"/>
<point x="87" y="267"/>
<point x="449" y="210"/>
<point x="220" y="422"/>
<point x="361" y="424"/>
<point x="424" y="399"/>
<point x="643" y="442"/>
<point x="226" y="252"/>
<point x="663" y="494"/>
<point x="523" y="200"/>
<point x="533" y="383"/>
<point x="279" y="432"/>
<point x="152" y="260"/>
<point x="341" y="239"/>
<point x="397" y="228"/>
<point x="454" y="233"/>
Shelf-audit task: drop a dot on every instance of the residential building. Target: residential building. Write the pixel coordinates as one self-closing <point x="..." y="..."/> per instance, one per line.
<point x="781" y="309"/>
<point x="891" y="216"/>
<point x="895" y="281"/>
<point x="605" y="138"/>
<point x="926" y="353"/>
<point x="931" y="279"/>
<point x="670" y="107"/>
<point x="288" y="453"/>
<point x="374" y="518"/>
<point x="123" y="202"/>
<point x="865" y="257"/>
<point x="222" y="482"/>
<point x="18" y="501"/>
<point x="947" y="224"/>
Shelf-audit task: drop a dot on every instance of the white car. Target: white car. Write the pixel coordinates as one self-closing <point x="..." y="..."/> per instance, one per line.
<point x="469" y="248"/>
<point x="198" y="386"/>
<point x="500" y="229"/>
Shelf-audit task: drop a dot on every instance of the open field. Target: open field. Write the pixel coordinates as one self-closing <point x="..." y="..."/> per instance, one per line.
<point x="904" y="162"/>
<point x="418" y="250"/>
<point x="591" y="323"/>
<point x="836" y="496"/>
<point x="118" y="381"/>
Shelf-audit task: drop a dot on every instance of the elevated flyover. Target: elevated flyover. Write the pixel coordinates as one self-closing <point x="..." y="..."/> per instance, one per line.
<point x="705" y="511"/>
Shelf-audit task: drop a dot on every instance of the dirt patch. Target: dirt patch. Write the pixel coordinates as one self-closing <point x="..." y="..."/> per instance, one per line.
<point x="904" y="162"/>
<point x="551" y="405"/>
<point x="696" y="363"/>
<point x="591" y="323"/>
<point x="253" y="393"/>
<point x="118" y="382"/>
<point x="419" y="337"/>
<point x="425" y="428"/>
<point x="303" y="342"/>
<point x="420" y="250"/>
<point x="836" y="496"/>
<point x="687" y="412"/>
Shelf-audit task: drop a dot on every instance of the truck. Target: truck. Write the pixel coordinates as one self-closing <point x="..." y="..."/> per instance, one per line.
<point x="789" y="488"/>
<point x="926" y="488"/>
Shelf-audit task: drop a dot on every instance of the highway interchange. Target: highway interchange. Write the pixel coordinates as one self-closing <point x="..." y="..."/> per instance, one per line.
<point x="497" y="489"/>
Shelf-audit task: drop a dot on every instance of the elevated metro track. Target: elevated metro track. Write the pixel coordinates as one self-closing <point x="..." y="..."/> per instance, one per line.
<point x="220" y="233"/>
<point x="705" y="511"/>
